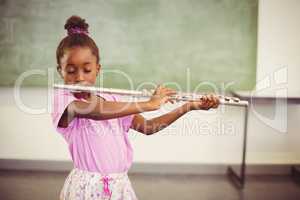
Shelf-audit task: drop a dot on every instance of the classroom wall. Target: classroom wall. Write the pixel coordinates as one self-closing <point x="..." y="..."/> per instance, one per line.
<point x="279" y="41"/>
<point x="199" y="137"/>
<point x="277" y="74"/>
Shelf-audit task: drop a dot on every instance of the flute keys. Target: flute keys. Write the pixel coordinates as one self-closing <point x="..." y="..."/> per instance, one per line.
<point x="236" y="99"/>
<point x="227" y="98"/>
<point x="184" y="98"/>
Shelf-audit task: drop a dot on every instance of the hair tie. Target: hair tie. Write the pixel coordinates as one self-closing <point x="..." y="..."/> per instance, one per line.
<point x="72" y="31"/>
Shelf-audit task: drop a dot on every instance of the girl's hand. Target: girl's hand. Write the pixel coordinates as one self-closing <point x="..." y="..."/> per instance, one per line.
<point x="161" y="96"/>
<point x="204" y="103"/>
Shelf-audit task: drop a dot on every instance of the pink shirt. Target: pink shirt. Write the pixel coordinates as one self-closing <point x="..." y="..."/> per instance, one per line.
<point x="95" y="145"/>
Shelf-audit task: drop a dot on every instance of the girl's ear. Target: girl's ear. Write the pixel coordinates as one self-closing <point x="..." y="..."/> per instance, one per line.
<point x="58" y="68"/>
<point x="98" y="69"/>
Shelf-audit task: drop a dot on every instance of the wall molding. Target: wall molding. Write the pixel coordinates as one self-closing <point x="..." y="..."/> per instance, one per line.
<point x="150" y="168"/>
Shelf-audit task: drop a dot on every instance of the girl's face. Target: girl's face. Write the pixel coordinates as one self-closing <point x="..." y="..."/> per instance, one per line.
<point x="79" y="66"/>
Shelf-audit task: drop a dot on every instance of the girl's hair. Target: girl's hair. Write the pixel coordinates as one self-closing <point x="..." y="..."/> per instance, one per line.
<point x="77" y="37"/>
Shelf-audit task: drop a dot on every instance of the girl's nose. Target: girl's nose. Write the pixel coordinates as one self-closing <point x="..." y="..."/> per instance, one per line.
<point x="80" y="77"/>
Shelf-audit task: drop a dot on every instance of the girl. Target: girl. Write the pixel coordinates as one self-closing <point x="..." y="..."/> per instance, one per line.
<point x="95" y="126"/>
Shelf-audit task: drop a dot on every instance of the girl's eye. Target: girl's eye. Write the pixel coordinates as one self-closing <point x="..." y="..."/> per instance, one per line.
<point x="87" y="71"/>
<point x="70" y="71"/>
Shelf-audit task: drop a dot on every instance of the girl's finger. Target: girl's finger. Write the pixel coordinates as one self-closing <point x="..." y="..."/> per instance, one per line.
<point x="204" y="103"/>
<point x="211" y="97"/>
<point x="215" y="106"/>
<point x="212" y="101"/>
<point x="207" y="100"/>
<point x="171" y="101"/>
<point x="170" y="93"/>
<point x="166" y="99"/>
<point x="167" y="89"/>
<point x="204" y="98"/>
<point x="216" y="101"/>
<point x="211" y="104"/>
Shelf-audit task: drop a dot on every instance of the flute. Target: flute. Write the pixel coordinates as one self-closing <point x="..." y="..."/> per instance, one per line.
<point x="180" y="96"/>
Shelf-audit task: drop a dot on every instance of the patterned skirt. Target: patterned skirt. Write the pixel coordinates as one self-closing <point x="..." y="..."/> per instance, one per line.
<point x="85" y="185"/>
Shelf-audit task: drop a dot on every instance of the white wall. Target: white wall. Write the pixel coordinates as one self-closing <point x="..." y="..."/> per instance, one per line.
<point x="27" y="136"/>
<point x="278" y="40"/>
<point x="278" y="67"/>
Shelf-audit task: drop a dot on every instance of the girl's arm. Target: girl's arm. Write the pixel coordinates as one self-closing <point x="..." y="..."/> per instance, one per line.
<point x="98" y="109"/>
<point x="148" y="127"/>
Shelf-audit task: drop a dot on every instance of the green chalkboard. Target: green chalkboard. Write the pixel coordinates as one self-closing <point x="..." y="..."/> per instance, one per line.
<point x="186" y="44"/>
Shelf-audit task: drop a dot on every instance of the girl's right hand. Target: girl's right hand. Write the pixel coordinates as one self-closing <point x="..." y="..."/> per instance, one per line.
<point x="161" y="96"/>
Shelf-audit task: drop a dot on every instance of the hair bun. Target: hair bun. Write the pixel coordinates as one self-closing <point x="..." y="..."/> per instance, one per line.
<point x="76" y="24"/>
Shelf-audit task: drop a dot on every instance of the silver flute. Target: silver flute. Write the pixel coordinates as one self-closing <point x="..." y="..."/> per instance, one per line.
<point x="179" y="96"/>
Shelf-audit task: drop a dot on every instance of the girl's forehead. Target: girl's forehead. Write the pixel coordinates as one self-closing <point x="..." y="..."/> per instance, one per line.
<point x="77" y="55"/>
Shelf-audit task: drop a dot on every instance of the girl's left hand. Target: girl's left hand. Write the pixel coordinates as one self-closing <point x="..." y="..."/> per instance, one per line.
<point x="205" y="103"/>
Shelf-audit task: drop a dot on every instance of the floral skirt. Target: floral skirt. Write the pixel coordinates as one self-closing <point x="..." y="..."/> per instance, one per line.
<point x="85" y="185"/>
